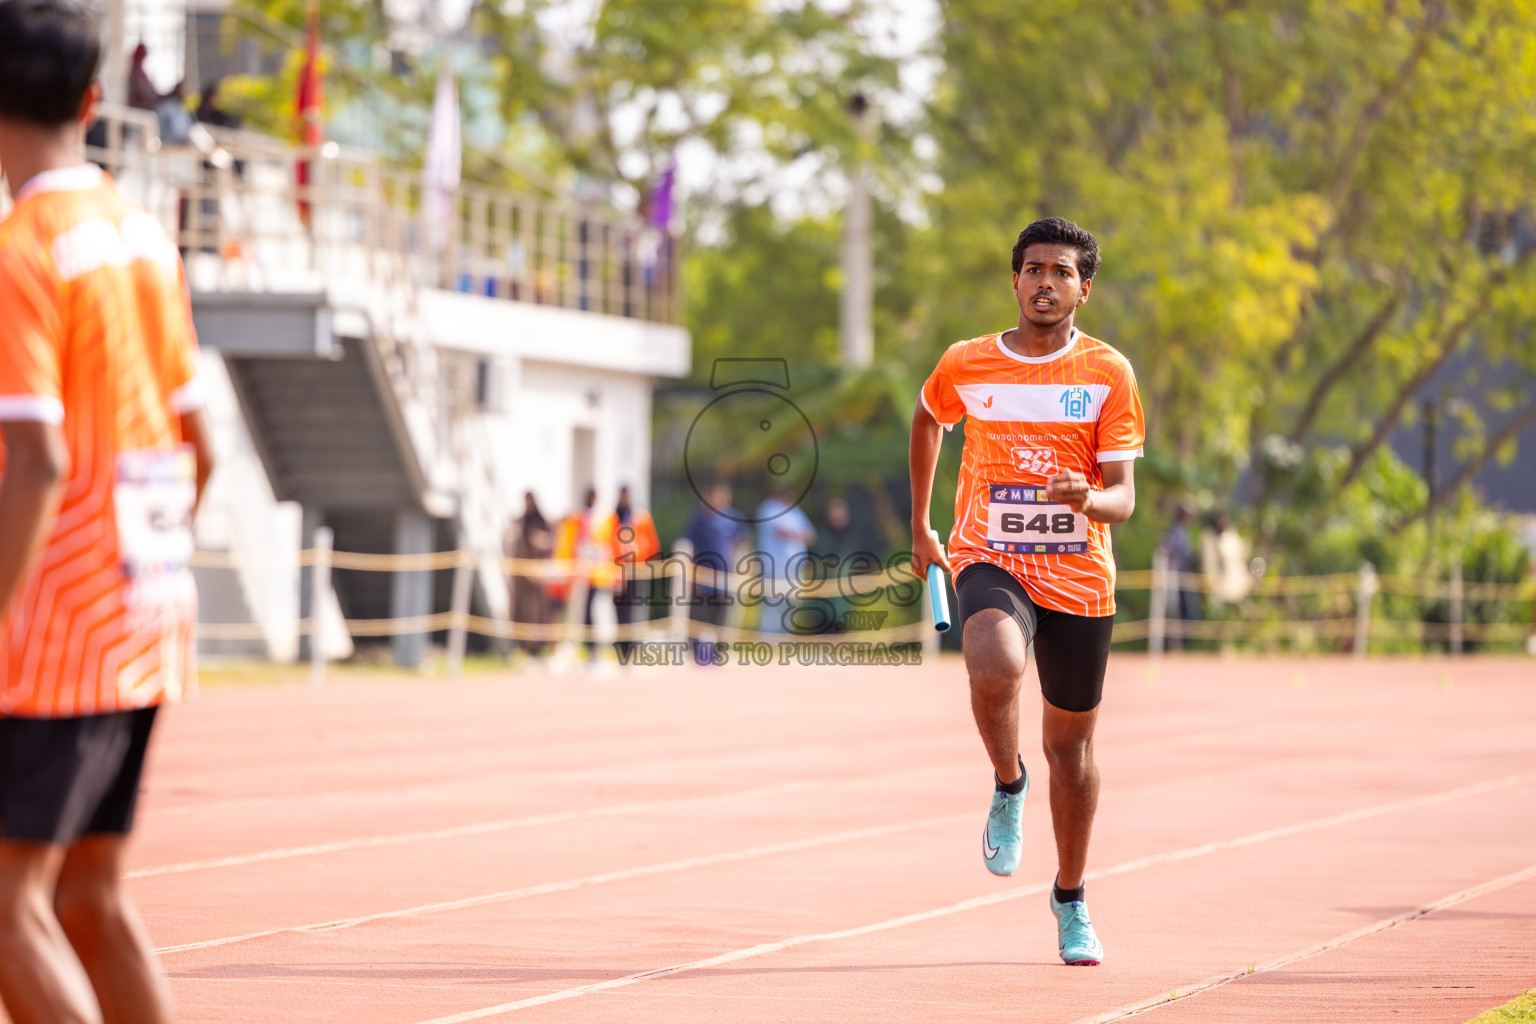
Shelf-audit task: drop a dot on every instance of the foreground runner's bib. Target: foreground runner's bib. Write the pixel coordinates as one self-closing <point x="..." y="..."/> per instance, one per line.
<point x="1026" y="420"/>
<point x="1023" y="520"/>
<point x="153" y="500"/>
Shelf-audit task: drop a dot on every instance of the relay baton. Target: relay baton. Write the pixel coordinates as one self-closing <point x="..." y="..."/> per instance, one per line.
<point x="938" y="598"/>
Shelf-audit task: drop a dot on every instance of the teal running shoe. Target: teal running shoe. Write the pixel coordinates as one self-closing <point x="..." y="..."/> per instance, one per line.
<point x="1076" y="940"/>
<point x="1003" y="838"/>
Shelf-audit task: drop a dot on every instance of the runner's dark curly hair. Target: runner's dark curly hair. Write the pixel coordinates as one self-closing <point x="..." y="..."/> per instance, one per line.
<point x="48" y="55"/>
<point x="1059" y="231"/>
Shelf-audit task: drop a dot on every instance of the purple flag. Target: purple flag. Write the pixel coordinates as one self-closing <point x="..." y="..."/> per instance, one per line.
<point x="659" y="207"/>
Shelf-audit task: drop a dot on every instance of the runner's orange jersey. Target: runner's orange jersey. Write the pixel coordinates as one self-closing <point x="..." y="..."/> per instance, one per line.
<point x="1027" y="419"/>
<point x="96" y="337"/>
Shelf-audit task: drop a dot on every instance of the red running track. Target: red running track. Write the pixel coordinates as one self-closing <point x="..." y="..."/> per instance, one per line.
<point x="767" y="844"/>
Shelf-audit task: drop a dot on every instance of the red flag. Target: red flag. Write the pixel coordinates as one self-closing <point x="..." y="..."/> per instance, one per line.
<point x="311" y="98"/>
<point x="311" y="104"/>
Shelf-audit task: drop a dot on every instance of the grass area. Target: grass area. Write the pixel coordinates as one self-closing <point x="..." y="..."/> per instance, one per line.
<point x="1519" y="1010"/>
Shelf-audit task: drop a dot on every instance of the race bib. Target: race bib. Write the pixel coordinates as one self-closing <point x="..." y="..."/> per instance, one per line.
<point x="154" y="494"/>
<point x="1022" y="521"/>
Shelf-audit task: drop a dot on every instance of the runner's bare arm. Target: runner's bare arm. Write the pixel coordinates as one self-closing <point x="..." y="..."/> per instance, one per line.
<point x="923" y="461"/>
<point x="36" y="467"/>
<point x="194" y="430"/>
<point x="1113" y="504"/>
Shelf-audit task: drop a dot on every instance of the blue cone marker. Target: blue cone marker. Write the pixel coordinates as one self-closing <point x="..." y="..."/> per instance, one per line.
<point x="938" y="597"/>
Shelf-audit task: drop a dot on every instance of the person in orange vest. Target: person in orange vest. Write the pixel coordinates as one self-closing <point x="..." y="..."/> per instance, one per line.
<point x="627" y="537"/>
<point x="573" y="541"/>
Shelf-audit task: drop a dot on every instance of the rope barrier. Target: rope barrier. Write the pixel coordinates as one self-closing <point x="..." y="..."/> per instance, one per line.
<point x="559" y="570"/>
<point x="678" y="626"/>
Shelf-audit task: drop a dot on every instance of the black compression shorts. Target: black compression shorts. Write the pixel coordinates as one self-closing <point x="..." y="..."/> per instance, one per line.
<point x="63" y="778"/>
<point x="1070" y="650"/>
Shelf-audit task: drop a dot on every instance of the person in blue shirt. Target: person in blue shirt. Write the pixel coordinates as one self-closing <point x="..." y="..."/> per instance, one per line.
<point x="783" y="531"/>
<point x="716" y="532"/>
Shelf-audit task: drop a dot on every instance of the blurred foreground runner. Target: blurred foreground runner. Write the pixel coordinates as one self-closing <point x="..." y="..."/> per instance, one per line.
<point x="105" y="452"/>
<point x="1053" y="426"/>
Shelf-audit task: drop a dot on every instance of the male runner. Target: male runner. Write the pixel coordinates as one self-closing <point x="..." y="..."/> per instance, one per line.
<point x="1053" y="424"/>
<point x="104" y="454"/>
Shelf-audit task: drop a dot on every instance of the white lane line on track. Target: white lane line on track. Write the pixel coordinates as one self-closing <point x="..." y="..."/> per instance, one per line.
<point x="538" y="820"/>
<point x="563" y="817"/>
<point x="879" y="750"/>
<point x="482" y="828"/>
<point x="1218" y="980"/>
<point x="150" y="810"/>
<point x="614" y="810"/>
<point x="666" y="867"/>
<point x="977" y="902"/>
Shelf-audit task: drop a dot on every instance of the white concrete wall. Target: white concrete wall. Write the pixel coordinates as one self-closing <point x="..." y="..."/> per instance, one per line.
<point x="535" y="434"/>
<point x="561" y="369"/>
<point x="568" y="337"/>
<point x="241" y="518"/>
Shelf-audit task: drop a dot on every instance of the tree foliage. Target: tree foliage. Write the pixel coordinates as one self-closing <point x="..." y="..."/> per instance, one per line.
<point x="1311" y="212"/>
<point x="1315" y="216"/>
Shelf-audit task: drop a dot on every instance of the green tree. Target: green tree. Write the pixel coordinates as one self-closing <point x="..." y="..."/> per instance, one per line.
<point x="1309" y="211"/>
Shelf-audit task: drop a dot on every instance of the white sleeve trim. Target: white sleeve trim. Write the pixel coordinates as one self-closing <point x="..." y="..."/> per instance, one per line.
<point x="36" y="408"/>
<point x="188" y="397"/>
<point x="1120" y="456"/>
<point x="924" y="399"/>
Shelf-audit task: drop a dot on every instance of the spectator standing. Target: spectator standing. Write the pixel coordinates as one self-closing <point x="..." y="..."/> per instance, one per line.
<point x="209" y="111"/>
<point x="840" y="543"/>
<point x="1178" y="548"/>
<point x="627" y="537"/>
<point x="142" y="94"/>
<point x="573" y="542"/>
<point x="1224" y="556"/>
<point x="716" y="532"/>
<point x="175" y="118"/>
<point x="530" y="539"/>
<point x="783" y="532"/>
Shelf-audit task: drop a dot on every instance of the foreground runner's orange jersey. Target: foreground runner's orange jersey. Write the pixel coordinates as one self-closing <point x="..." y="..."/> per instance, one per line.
<point x="1027" y="419"/>
<point x="96" y="337"/>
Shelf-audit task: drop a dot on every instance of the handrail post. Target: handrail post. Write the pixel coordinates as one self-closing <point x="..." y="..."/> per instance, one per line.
<point x="577" y="633"/>
<point x="1157" y="616"/>
<point x="681" y="593"/>
<point x="463" y="577"/>
<point x="320" y="586"/>
<point x="1365" y="593"/>
<point x="1457" y="607"/>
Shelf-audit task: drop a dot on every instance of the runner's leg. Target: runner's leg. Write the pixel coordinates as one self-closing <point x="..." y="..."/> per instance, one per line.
<point x="995" y="658"/>
<point x="1071" y="653"/>
<point x="1068" y="742"/>
<point x="108" y="936"/>
<point x="41" y="979"/>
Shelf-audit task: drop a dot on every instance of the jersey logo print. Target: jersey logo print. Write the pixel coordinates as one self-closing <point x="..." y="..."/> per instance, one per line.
<point x="1035" y="460"/>
<point x="1075" y="403"/>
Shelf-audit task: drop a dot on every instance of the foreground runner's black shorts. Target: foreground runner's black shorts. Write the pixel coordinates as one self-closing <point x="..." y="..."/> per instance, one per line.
<point x="1070" y="650"/>
<point x="63" y="778"/>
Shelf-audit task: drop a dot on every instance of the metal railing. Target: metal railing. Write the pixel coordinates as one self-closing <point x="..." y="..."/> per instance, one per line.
<point x="250" y="212"/>
<point x="265" y="210"/>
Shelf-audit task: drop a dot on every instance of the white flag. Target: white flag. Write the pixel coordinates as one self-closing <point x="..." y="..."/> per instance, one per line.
<point x="440" y="172"/>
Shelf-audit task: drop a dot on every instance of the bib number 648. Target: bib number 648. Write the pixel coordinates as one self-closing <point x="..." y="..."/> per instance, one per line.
<point x="1015" y="522"/>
